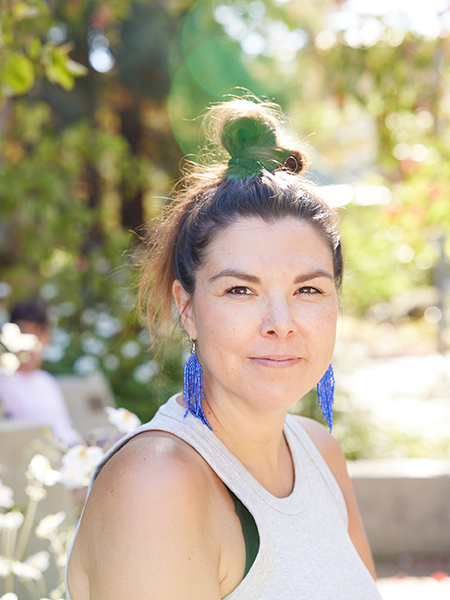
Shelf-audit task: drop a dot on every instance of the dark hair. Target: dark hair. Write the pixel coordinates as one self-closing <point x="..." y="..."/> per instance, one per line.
<point x="29" y="310"/>
<point x="262" y="179"/>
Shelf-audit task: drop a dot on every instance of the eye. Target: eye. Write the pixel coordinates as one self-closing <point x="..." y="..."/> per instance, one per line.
<point x="239" y="290"/>
<point x="308" y="290"/>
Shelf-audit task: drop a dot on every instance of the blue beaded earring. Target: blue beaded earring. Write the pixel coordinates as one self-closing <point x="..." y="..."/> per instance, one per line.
<point x="193" y="388"/>
<point x="325" y="393"/>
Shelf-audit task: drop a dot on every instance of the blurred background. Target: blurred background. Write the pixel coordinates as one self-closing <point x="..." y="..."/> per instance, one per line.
<point x="99" y="102"/>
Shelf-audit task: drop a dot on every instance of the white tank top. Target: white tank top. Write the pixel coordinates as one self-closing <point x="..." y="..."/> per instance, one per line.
<point x="305" y="551"/>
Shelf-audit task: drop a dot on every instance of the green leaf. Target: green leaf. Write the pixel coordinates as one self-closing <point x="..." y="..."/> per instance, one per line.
<point x="76" y="69"/>
<point x="19" y="74"/>
<point x="27" y="10"/>
<point x="60" y="68"/>
<point x="34" y="49"/>
<point x="7" y="38"/>
<point x="57" y="73"/>
<point x="23" y="11"/>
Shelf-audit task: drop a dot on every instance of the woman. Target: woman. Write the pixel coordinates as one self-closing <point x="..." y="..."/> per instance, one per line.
<point x="222" y="494"/>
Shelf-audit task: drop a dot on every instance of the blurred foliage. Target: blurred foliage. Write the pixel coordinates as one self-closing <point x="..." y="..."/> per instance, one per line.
<point x="79" y="174"/>
<point x="362" y="436"/>
<point x="86" y="162"/>
<point x="26" y="52"/>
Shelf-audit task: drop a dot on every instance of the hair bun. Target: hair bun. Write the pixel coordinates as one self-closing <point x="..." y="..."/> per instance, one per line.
<point x="252" y="133"/>
<point x="247" y="132"/>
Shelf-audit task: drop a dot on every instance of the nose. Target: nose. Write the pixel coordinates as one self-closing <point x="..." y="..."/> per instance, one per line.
<point x="278" y="319"/>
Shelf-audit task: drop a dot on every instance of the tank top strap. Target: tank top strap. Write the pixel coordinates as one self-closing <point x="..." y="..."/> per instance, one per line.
<point x="293" y="425"/>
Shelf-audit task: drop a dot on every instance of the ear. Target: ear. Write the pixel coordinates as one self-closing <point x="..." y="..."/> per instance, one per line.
<point x="184" y="306"/>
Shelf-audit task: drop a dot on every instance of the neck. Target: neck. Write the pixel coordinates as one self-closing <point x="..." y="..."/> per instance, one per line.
<point x="256" y="439"/>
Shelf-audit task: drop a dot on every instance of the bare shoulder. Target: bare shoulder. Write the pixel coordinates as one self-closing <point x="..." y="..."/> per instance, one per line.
<point x="146" y="508"/>
<point x="151" y="462"/>
<point x="155" y="471"/>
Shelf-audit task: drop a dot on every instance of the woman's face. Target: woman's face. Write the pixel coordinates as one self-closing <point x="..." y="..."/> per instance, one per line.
<point x="263" y="313"/>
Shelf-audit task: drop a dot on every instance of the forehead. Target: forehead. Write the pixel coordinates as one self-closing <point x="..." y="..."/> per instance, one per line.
<point x="255" y="242"/>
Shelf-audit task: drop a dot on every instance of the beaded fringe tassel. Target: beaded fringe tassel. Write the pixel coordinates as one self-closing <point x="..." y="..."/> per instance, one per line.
<point x="193" y="395"/>
<point x="325" y="393"/>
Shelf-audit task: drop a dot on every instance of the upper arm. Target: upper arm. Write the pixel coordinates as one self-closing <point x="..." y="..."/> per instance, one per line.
<point x="332" y="453"/>
<point x="144" y="532"/>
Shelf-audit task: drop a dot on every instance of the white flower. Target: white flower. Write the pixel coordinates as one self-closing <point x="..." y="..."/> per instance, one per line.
<point x="5" y="568"/>
<point x="15" y="341"/>
<point x="11" y="521"/>
<point x="9" y="363"/>
<point x="42" y="470"/>
<point x="27" y="572"/>
<point x="40" y="560"/>
<point x="6" y="496"/>
<point x="35" y="493"/>
<point x="9" y="596"/>
<point x="122" y="419"/>
<point x="33" y="567"/>
<point x="49" y="524"/>
<point x="61" y="560"/>
<point x="78" y="464"/>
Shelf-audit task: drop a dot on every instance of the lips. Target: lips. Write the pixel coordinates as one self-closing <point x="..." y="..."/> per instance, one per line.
<point x="278" y="361"/>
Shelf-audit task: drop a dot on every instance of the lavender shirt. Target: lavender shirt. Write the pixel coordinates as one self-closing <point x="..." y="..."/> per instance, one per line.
<point x="36" y="397"/>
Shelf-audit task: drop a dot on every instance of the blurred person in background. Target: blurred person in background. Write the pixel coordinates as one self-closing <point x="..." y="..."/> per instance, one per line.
<point x="31" y="394"/>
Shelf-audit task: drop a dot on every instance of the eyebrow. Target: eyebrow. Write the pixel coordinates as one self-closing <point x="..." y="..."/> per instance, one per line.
<point x="313" y="275"/>
<point x="253" y="279"/>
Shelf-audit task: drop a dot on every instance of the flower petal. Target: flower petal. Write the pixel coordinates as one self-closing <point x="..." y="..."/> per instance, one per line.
<point x="11" y="521"/>
<point x="42" y="470"/>
<point x="49" y="524"/>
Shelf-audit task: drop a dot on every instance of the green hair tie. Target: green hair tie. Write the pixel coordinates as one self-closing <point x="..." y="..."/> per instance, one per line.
<point x="254" y="167"/>
<point x="239" y="168"/>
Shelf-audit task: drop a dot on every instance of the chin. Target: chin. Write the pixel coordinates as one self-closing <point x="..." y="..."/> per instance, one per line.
<point x="276" y="399"/>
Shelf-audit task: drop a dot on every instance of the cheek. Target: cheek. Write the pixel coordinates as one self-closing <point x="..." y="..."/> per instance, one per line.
<point x="217" y="323"/>
<point x="330" y="316"/>
<point x="221" y="330"/>
<point x="321" y="327"/>
<point x="321" y="316"/>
